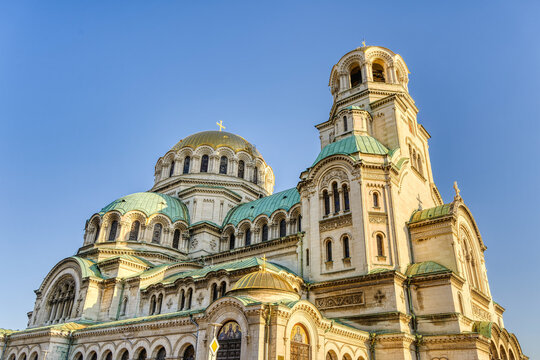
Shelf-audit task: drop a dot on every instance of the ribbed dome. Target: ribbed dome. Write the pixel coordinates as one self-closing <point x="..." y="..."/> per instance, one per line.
<point x="216" y="139"/>
<point x="263" y="279"/>
<point x="150" y="203"/>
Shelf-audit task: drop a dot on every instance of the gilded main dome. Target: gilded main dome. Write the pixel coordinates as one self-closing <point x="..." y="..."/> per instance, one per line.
<point x="216" y="139"/>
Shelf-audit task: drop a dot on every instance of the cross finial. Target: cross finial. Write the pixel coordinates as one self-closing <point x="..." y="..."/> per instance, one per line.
<point x="220" y="124"/>
<point x="264" y="262"/>
<point x="456" y="189"/>
<point x="364" y="42"/>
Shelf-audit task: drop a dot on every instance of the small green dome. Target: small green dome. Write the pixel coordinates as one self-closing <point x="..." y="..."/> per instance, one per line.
<point x="150" y="203"/>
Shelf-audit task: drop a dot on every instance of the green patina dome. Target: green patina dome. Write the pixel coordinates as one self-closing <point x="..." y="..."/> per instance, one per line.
<point x="352" y="145"/>
<point x="150" y="203"/>
<point x="216" y="139"/>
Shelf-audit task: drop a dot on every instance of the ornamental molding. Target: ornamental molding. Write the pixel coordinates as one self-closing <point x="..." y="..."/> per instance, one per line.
<point x="340" y="301"/>
<point x="336" y="174"/>
<point x="378" y="218"/>
<point x="336" y="222"/>
<point x="480" y="313"/>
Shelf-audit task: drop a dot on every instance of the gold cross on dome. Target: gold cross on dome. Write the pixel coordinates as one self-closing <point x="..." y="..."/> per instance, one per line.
<point x="364" y="43"/>
<point x="220" y="124"/>
<point x="264" y="262"/>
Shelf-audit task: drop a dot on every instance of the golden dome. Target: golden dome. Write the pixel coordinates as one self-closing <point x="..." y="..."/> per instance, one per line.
<point x="263" y="279"/>
<point x="216" y="139"/>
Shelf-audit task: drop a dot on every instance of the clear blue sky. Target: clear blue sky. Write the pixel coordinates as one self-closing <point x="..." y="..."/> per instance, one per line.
<point x="92" y="93"/>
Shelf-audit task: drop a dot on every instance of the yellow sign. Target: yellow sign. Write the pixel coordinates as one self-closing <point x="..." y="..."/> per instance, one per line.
<point x="214" y="346"/>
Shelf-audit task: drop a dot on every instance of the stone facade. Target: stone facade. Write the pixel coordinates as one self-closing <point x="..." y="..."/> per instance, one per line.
<point x="362" y="260"/>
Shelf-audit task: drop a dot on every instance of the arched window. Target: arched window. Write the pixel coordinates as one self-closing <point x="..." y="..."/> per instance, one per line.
<point x="159" y="303"/>
<point x="61" y="300"/>
<point x="93" y="356"/>
<point x="282" y="228"/>
<point x="264" y="232"/>
<point x="375" y="199"/>
<point x="204" y="163"/>
<point x="125" y="355"/>
<point x="378" y="73"/>
<point x="256" y="175"/>
<point x="331" y="355"/>
<point x="247" y="240"/>
<point x="346" y="204"/>
<point x="299" y="223"/>
<point x="241" y="167"/>
<point x="222" y="289"/>
<point x="112" y="232"/>
<point x="214" y="292"/>
<point x="96" y="236"/>
<point x="189" y="353"/>
<point x="124" y="306"/>
<point x="182" y="300"/>
<point x="380" y="245"/>
<point x="326" y="199"/>
<point x="161" y="354"/>
<point x="419" y="164"/>
<point x="345" y="125"/>
<point x="79" y="356"/>
<point x="34" y="356"/>
<point x="230" y="341"/>
<point x="335" y="192"/>
<point x="187" y="161"/>
<point x="299" y="343"/>
<point x="223" y="163"/>
<point x="108" y="356"/>
<point x="171" y="169"/>
<point x="307" y="257"/>
<point x="329" y="250"/>
<point x="134" y="232"/>
<point x="356" y="76"/>
<point x="346" y="252"/>
<point x="152" y="305"/>
<point x="22" y="357"/>
<point x="156" y="236"/>
<point x="142" y="355"/>
<point x="189" y="298"/>
<point x="176" y="239"/>
<point x="232" y="240"/>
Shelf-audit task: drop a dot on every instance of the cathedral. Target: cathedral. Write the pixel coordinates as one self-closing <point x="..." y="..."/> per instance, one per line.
<point x="362" y="260"/>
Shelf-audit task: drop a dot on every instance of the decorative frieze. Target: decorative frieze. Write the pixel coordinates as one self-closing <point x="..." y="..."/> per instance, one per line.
<point x="480" y="313"/>
<point x="340" y="301"/>
<point x="335" y="222"/>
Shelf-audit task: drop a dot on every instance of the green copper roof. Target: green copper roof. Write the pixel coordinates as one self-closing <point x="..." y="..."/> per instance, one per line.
<point x="150" y="203"/>
<point x="483" y="328"/>
<point x="266" y="205"/>
<point x="352" y="145"/>
<point x="431" y="213"/>
<point x="425" y="267"/>
<point x="88" y="268"/>
<point x="229" y="266"/>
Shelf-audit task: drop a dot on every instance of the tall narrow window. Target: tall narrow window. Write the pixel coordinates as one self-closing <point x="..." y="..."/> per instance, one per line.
<point x="96" y="236"/>
<point x="156" y="236"/>
<point x="153" y="305"/>
<point x="419" y="164"/>
<point x="114" y="228"/>
<point x="329" y="250"/>
<point x="182" y="300"/>
<point x="356" y="76"/>
<point x="204" y="163"/>
<point x="134" y="232"/>
<point x="159" y="303"/>
<point x="326" y="199"/>
<point x="247" y="241"/>
<point x="335" y="192"/>
<point x="375" y="200"/>
<point x="176" y="239"/>
<point x="187" y="162"/>
<point x="299" y="223"/>
<point x="378" y="73"/>
<point x="241" y="167"/>
<point x="214" y="292"/>
<point x="282" y="228"/>
<point x="189" y="298"/>
<point x="346" y="252"/>
<point x="124" y="306"/>
<point x="345" y="190"/>
<point x="256" y="175"/>
<point x="222" y="289"/>
<point x="345" y="127"/>
<point x="264" y="232"/>
<point x="307" y="257"/>
<point x="171" y="169"/>
<point x="223" y="163"/>
<point x="231" y="241"/>
<point x="380" y="245"/>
